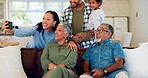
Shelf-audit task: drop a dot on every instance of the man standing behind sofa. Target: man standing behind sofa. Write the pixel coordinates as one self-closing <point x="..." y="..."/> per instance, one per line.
<point x="77" y="14"/>
<point x="105" y="58"/>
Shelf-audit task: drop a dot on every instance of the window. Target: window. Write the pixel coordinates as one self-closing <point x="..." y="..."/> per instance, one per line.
<point x="30" y="12"/>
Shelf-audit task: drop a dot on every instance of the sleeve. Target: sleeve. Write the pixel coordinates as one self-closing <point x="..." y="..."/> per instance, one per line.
<point x="71" y="60"/>
<point x="102" y="16"/>
<point x="118" y="51"/>
<point x="96" y="24"/>
<point x="24" y="31"/>
<point x="90" y="21"/>
<point x="99" y="19"/>
<point x="45" y="57"/>
<point x="63" y="19"/>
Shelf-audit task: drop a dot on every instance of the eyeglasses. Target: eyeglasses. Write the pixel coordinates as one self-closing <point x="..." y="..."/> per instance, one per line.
<point x="101" y="30"/>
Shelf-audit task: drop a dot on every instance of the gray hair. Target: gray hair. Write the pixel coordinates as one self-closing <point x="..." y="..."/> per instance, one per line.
<point x="67" y="27"/>
<point x="110" y="28"/>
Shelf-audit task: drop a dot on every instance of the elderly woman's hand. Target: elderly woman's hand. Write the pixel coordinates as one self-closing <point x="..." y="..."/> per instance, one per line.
<point x="72" y="45"/>
<point x="51" y="66"/>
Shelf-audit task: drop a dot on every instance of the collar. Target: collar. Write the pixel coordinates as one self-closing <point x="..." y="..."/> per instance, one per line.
<point x="105" y="41"/>
<point x="58" y="45"/>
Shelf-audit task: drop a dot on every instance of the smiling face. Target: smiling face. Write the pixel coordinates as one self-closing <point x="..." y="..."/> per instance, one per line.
<point x="60" y="34"/>
<point x="94" y="5"/>
<point x="103" y="33"/>
<point x="48" y="21"/>
<point x="74" y="3"/>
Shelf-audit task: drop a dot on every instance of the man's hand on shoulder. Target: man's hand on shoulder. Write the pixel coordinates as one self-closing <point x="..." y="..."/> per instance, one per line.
<point x="76" y="39"/>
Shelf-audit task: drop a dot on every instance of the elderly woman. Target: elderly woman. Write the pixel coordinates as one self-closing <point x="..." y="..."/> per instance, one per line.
<point x="57" y="60"/>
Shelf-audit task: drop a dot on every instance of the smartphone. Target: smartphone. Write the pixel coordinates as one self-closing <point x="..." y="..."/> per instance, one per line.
<point x="91" y="73"/>
<point x="10" y="25"/>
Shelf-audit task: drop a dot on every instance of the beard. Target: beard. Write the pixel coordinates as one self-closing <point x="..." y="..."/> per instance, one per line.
<point x="97" y="39"/>
<point x="76" y="4"/>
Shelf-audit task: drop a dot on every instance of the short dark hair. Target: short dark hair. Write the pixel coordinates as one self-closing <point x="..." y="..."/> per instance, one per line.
<point x="99" y="1"/>
<point x="55" y="18"/>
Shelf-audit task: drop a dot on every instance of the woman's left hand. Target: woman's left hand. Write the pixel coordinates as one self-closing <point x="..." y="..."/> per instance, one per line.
<point x="51" y="66"/>
<point x="72" y="45"/>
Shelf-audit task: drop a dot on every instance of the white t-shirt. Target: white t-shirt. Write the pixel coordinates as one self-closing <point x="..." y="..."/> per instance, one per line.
<point x="96" y="18"/>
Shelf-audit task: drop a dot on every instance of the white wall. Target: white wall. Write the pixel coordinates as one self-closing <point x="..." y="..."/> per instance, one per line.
<point x="138" y="24"/>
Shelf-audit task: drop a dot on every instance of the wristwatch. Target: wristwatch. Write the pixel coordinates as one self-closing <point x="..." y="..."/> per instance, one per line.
<point x="105" y="71"/>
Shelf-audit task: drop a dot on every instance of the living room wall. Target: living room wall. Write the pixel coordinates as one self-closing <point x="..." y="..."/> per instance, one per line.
<point x="138" y="21"/>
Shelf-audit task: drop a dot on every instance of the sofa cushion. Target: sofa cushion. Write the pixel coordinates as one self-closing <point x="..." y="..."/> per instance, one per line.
<point x="11" y="65"/>
<point x="136" y="61"/>
<point x="28" y="61"/>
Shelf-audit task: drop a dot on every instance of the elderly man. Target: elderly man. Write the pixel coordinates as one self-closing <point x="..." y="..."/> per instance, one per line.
<point x="105" y="58"/>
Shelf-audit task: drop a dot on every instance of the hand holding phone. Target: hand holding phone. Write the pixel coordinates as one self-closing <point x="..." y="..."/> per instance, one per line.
<point x="91" y="73"/>
<point x="10" y="25"/>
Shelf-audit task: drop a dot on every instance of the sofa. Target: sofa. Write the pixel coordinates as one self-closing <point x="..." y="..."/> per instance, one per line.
<point x="17" y="62"/>
<point x="135" y="57"/>
<point x="32" y="65"/>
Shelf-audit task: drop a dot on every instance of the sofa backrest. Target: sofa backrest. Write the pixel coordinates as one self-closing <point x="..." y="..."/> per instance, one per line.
<point x="32" y="65"/>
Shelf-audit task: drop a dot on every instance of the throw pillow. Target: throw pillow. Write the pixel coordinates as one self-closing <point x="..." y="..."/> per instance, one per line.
<point x="11" y="65"/>
<point x="136" y="61"/>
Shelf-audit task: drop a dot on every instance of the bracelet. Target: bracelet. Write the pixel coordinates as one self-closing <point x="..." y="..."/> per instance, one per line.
<point x="54" y="66"/>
